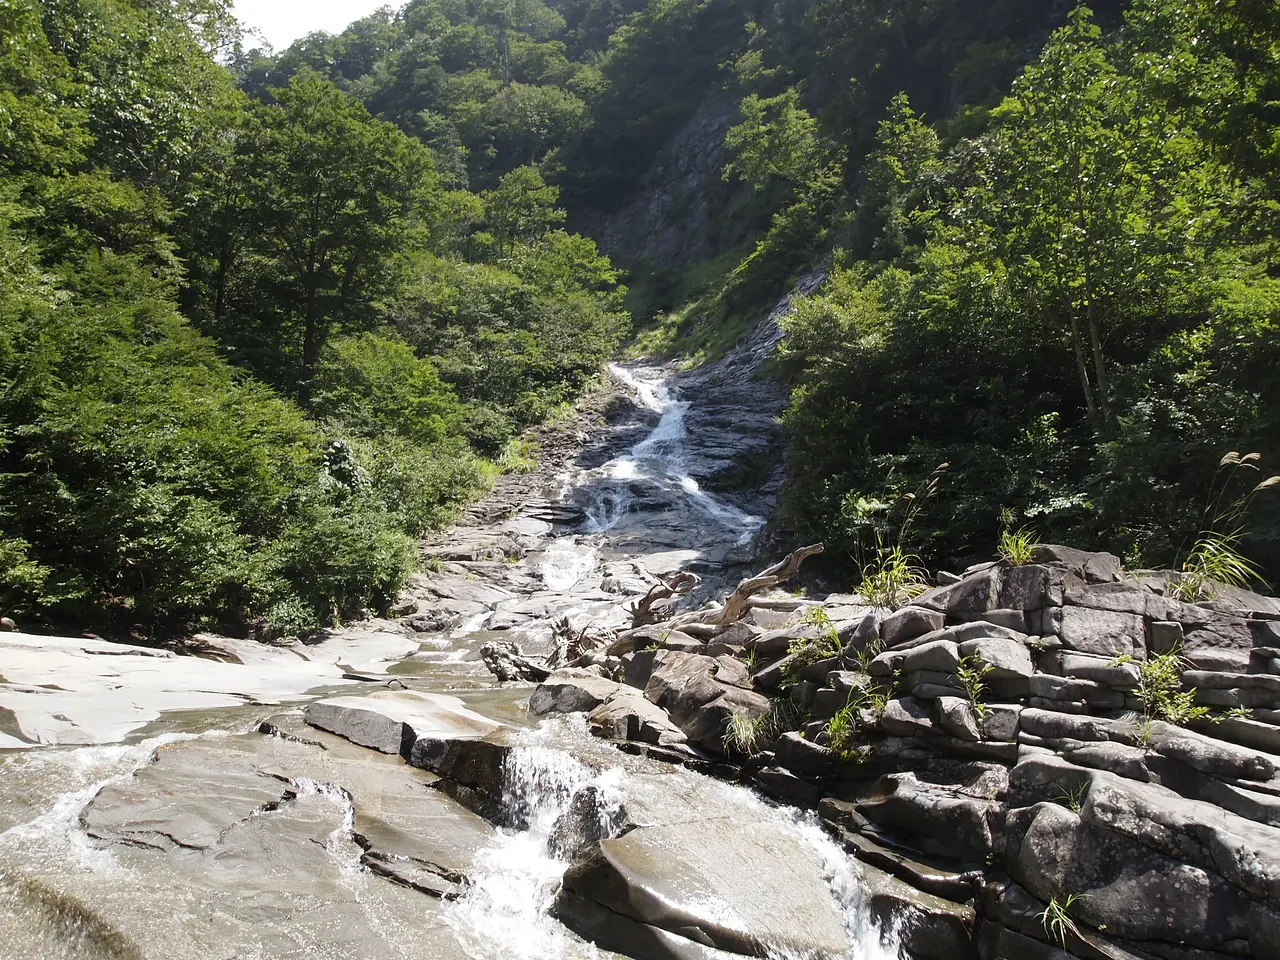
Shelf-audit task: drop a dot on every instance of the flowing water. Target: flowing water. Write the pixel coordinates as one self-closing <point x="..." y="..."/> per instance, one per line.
<point x="283" y="877"/>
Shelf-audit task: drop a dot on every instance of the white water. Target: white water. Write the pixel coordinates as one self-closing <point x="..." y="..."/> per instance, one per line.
<point x="658" y="458"/>
<point x="504" y="914"/>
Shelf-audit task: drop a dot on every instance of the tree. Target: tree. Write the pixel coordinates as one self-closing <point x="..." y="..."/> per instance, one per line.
<point x="522" y="207"/>
<point x="331" y="196"/>
<point x="776" y="140"/>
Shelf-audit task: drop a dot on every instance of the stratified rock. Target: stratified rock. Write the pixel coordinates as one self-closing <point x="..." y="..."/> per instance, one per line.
<point x="1103" y="632"/>
<point x="565" y="692"/>
<point x="629" y="716"/>
<point x="932" y="818"/>
<point x="907" y="717"/>
<point x="975" y="593"/>
<point x="940" y="656"/>
<point x="1092" y="567"/>
<point x="804" y="757"/>
<point x="686" y="686"/>
<point x="959" y="718"/>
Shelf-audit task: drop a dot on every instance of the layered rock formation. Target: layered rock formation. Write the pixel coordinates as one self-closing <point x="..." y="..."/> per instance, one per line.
<point x="1002" y="746"/>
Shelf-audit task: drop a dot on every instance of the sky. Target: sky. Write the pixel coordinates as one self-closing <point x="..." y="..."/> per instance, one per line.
<point x="284" y="21"/>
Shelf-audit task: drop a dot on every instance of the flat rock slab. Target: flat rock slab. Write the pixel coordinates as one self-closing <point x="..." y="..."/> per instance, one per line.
<point x="743" y="887"/>
<point x="392" y="721"/>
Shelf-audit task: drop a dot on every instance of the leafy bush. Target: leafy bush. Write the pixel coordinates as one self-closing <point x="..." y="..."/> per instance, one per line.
<point x="1017" y="546"/>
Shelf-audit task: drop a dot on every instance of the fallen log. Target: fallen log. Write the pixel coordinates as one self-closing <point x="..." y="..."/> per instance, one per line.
<point x="506" y="662"/>
<point x="739" y="602"/>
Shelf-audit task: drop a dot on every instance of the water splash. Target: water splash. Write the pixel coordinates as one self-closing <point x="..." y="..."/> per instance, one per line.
<point x="505" y="913"/>
<point x="565" y="563"/>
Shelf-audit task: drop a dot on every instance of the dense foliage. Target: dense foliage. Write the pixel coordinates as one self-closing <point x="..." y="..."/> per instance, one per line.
<point x="250" y="348"/>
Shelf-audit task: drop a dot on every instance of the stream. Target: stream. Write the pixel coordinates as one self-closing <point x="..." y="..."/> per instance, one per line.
<point x="143" y="814"/>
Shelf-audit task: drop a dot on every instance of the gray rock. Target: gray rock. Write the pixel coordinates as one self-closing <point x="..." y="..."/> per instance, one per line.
<point x="391" y="721"/>
<point x="685" y="685"/>
<point x="941" y="656"/>
<point x="907" y="717"/>
<point x="561" y="693"/>
<point x="1019" y="621"/>
<point x="931" y="818"/>
<point x="728" y="884"/>
<point x="803" y="757"/>
<point x="1031" y="587"/>
<point x="1215" y="758"/>
<point x="1222" y="680"/>
<point x="1244" y="852"/>
<point x="1103" y="632"/>
<point x="1001" y="722"/>
<point x="1117" y="758"/>
<point x="909" y="623"/>
<point x="637" y="668"/>
<point x="976" y="593"/>
<point x="629" y="716"/>
<point x="1119" y="676"/>
<point x="1092" y="567"/>
<point x="1047" y="686"/>
<point x="1008" y="659"/>
<point x="932" y="928"/>
<point x="958" y="718"/>
<point x="785" y="787"/>
<point x="1180" y="902"/>
<point x="827" y="703"/>
<point x="1164" y="636"/>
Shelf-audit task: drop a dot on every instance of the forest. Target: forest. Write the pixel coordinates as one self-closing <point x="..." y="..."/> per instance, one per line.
<point x="267" y="317"/>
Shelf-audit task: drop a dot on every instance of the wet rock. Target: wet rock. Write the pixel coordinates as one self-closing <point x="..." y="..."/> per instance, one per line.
<point x="785" y="787"/>
<point x="931" y="818"/>
<point x="736" y="886"/>
<point x="933" y="928"/>
<point x="909" y="623"/>
<point x="474" y="763"/>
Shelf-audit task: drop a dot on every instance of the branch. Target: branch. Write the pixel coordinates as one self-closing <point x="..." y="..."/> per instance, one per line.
<point x="736" y="607"/>
<point x="681" y="585"/>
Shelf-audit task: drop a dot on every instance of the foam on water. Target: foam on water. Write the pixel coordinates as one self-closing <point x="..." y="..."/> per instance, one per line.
<point x="660" y="458"/>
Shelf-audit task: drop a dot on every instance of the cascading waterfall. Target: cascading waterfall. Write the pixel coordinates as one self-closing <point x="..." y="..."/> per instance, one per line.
<point x="504" y="913"/>
<point x="658" y="459"/>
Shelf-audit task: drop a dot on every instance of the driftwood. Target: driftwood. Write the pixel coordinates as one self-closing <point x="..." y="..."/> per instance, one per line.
<point x="506" y="662"/>
<point x="659" y="595"/>
<point x="572" y="645"/>
<point x="739" y="602"/>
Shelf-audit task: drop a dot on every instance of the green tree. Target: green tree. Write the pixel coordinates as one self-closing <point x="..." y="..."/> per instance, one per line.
<point x="776" y="139"/>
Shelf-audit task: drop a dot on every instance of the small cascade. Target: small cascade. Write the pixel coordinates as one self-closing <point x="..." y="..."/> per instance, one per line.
<point x="657" y="460"/>
<point x="565" y="562"/>
<point x="504" y="914"/>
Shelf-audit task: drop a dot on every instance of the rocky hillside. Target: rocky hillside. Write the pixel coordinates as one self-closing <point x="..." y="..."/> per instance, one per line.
<point x="1003" y="745"/>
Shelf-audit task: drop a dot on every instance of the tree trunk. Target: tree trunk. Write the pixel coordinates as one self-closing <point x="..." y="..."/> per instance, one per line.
<point x="1099" y="363"/>
<point x="1082" y="368"/>
<point x="311" y="343"/>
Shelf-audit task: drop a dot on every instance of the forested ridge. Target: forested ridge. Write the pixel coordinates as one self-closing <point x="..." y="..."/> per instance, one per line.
<point x="267" y="317"/>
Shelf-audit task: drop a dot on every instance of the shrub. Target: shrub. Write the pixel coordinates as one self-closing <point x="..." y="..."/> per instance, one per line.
<point x="1016" y="546"/>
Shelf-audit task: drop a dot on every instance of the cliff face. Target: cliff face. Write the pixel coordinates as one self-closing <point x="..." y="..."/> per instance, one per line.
<point x="666" y="222"/>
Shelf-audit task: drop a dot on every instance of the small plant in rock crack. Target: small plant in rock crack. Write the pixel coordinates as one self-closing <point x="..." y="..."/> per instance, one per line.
<point x="842" y="729"/>
<point x="1015" y="547"/>
<point x="434" y="564"/>
<point x="1160" y="690"/>
<point x="806" y="652"/>
<point x="1074" y="798"/>
<point x="890" y="575"/>
<point x="972" y="674"/>
<point x="745" y="734"/>
<point x="1239" y="713"/>
<point x="1057" y="922"/>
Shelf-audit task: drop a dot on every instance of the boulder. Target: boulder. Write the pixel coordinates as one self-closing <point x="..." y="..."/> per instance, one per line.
<point x="1031" y="587"/>
<point x="941" y="656"/>
<point x="630" y="716"/>
<point x="1180" y="903"/>
<point x="907" y="717"/>
<point x="959" y="718"/>
<point x="909" y="623"/>
<point x="1103" y="632"/>
<point x="1001" y="722"/>
<point x="570" y="693"/>
<point x="975" y="593"/>
<point x="804" y="757"/>
<point x="1091" y="567"/>
<point x="730" y="884"/>
<point x="686" y="686"/>
<point x="391" y="721"/>
<point x="931" y="818"/>
<point x="1009" y="660"/>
